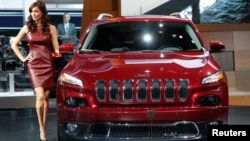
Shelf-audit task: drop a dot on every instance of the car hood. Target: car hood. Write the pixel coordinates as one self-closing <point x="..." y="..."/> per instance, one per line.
<point x="131" y="65"/>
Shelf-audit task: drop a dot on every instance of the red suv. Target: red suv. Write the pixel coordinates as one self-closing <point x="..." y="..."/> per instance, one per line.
<point x="142" y="77"/>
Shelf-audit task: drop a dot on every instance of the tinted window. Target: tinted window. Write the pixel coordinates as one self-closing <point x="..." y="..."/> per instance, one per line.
<point x="143" y="36"/>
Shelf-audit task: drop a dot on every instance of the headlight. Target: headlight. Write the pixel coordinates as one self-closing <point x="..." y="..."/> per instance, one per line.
<point x="213" y="78"/>
<point x="70" y="79"/>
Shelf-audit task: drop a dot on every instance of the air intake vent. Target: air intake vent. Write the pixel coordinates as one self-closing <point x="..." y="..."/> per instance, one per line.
<point x="114" y="90"/>
<point x="128" y="90"/>
<point x="101" y="90"/>
<point x="183" y="89"/>
<point x="184" y="130"/>
<point x="142" y="90"/>
<point x="155" y="89"/>
<point x="169" y="89"/>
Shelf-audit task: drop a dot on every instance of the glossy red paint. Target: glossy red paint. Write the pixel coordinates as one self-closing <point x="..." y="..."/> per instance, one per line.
<point x="105" y="92"/>
<point x="66" y="47"/>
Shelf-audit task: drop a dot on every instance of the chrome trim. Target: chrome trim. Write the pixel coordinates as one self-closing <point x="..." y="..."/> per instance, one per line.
<point x="155" y="90"/>
<point x="183" y="89"/>
<point x="114" y="90"/>
<point x="169" y="92"/>
<point x="100" y="88"/>
<point x="130" y="90"/>
<point x="141" y="90"/>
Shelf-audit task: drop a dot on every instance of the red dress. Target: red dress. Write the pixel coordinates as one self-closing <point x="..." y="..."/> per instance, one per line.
<point x="41" y="68"/>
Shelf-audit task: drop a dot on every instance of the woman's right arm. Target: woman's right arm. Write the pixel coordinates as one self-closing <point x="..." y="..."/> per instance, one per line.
<point x="17" y="40"/>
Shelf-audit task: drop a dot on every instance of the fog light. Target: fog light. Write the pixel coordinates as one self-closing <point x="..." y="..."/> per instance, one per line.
<point x="71" y="128"/>
<point x="214" y="123"/>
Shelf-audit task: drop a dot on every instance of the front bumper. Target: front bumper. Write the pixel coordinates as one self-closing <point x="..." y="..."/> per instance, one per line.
<point x="102" y="131"/>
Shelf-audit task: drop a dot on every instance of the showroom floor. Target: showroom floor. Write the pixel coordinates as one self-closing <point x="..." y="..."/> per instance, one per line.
<point x="21" y="124"/>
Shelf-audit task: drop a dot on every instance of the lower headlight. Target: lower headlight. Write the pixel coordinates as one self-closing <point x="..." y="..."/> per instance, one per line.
<point x="210" y="100"/>
<point x="75" y="102"/>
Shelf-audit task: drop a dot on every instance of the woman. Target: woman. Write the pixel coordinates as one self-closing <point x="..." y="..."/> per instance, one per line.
<point x="40" y="34"/>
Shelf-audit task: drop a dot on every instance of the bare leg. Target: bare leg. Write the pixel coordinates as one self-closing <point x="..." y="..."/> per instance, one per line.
<point x="42" y="105"/>
<point x="46" y="107"/>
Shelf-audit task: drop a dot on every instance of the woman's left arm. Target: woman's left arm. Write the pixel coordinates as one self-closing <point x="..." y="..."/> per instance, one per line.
<point x="54" y="38"/>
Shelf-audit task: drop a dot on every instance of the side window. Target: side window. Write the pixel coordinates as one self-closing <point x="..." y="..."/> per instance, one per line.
<point x="193" y="39"/>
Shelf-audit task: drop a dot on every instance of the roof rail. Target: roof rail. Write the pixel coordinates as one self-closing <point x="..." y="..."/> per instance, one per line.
<point x="104" y="16"/>
<point x="176" y="14"/>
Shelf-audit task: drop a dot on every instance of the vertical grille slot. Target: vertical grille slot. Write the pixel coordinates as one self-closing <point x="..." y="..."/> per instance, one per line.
<point x="141" y="90"/>
<point x="114" y="90"/>
<point x="128" y="90"/>
<point x="155" y="89"/>
<point x="101" y="90"/>
<point x="183" y="89"/>
<point x="169" y="90"/>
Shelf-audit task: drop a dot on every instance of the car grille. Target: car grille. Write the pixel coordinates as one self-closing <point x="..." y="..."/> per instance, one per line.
<point x="182" y="129"/>
<point x="141" y="90"/>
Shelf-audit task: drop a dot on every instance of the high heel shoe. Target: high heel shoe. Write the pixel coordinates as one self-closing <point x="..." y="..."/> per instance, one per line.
<point x="43" y="139"/>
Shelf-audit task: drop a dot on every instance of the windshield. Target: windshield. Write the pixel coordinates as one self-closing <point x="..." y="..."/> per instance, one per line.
<point x="138" y="36"/>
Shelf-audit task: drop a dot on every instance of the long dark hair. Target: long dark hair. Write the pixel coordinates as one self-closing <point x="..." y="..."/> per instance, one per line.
<point x="44" y="19"/>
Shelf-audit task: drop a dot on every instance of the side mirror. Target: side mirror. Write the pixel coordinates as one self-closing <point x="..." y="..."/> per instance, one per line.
<point x="66" y="48"/>
<point x="216" y="46"/>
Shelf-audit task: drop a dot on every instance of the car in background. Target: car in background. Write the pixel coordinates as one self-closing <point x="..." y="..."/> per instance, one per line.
<point x="147" y="77"/>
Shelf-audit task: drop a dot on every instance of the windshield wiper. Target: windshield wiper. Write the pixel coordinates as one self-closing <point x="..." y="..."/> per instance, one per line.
<point x="89" y="51"/>
<point x="150" y="51"/>
<point x="120" y="49"/>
